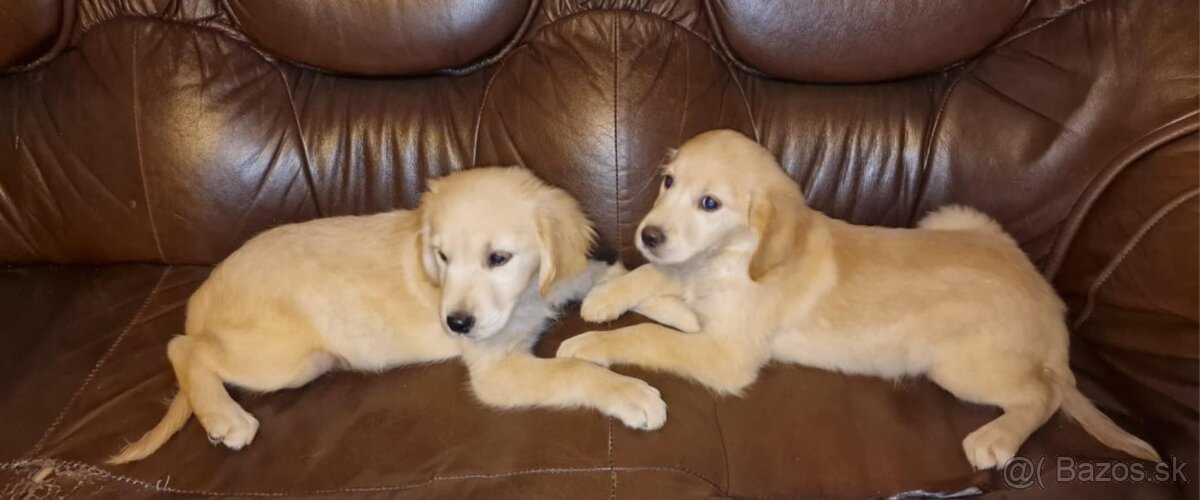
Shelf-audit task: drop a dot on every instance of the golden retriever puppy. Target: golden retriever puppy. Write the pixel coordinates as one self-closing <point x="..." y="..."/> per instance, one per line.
<point x="475" y="272"/>
<point x="731" y="238"/>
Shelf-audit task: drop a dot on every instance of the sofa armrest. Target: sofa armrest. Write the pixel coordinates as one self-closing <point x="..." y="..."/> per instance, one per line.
<point x="1130" y="280"/>
<point x="1136" y="248"/>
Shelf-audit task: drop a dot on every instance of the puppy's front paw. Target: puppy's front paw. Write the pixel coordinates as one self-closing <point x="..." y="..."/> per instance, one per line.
<point x="671" y="311"/>
<point x="687" y="323"/>
<point x="589" y="346"/>
<point x="636" y="404"/>
<point x="602" y="305"/>
<point x="234" y="428"/>
<point x="990" y="446"/>
<point x="614" y="271"/>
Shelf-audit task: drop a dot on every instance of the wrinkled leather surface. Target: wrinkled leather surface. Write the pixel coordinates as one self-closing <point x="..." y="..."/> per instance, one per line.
<point x="27" y="29"/>
<point x="415" y="432"/>
<point x="856" y="40"/>
<point x="381" y="37"/>
<point x="144" y="140"/>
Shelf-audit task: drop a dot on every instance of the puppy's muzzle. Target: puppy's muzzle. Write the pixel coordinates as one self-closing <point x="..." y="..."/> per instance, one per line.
<point x="653" y="236"/>
<point x="460" y="323"/>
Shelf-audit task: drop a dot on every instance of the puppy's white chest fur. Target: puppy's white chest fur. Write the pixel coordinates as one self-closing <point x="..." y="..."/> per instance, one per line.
<point x="523" y="329"/>
<point x="717" y="294"/>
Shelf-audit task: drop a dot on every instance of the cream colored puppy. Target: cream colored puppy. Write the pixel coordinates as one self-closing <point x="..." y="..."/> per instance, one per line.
<point x="476" y="272"/>
<point x="731" y="238"/>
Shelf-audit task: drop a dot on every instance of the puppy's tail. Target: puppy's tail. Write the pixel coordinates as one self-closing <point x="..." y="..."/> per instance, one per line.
<point x="177" y="415"/>
<point x="961" y="218"/>
<point x="1078" y="407"/>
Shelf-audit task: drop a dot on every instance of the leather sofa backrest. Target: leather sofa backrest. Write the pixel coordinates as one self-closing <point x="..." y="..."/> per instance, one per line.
<point x="172" y="131"/>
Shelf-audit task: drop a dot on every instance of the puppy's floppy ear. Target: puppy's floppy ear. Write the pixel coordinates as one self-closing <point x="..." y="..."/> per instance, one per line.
<point x="566" y="235"/>
<point x="778" y="216"/>
<point x="428" y="253"/>
<point x="670" y="155"/>
<point x="428" y="256"/>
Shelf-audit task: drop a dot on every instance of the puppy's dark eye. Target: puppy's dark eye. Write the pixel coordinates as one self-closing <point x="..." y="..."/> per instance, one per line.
<point x="497" y="259"/>
<point x="668" y="180"/>
<point x="709" y="204"/>
<point x="442" y="256"/>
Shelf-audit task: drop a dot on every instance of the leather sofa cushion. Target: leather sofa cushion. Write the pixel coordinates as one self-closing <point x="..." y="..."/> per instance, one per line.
<point x="382" y="37"/>
<point x="89" y="364"/>
<point x="859" y="40"/>
<point x="28" y="28"/>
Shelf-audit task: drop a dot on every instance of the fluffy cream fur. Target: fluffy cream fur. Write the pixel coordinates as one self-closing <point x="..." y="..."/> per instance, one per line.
<point x="372" y="292"/>
<point x="769" y="278"/>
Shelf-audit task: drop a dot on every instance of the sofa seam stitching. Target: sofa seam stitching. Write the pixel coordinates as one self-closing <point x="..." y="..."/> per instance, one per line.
<point x="1128" y="248"/>
<point x="612" y="470"/>
<point x="1095" y="187"/>
<point x="487" y="91"/>
<point x="1061" y="13"/>
<point x="616" y="142"/>
<point x="733" y="65"/>
<point x="627" y="11"/>
<point x="163" y="487"/>
<point x="713" y="48"/>
<point x="137" y="316"/>
<point x="721" y="436"/>
<point x="1001" y="38"/>
<point x="616" y="48"/>
<point x="61" y="40"/>
<point x="514" y="43"/>
<point x="935" y="126"/>
<point x="745" y="101"/>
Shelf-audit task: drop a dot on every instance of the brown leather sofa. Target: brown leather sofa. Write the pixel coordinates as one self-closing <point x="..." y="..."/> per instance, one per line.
<point x="143" y="140"/>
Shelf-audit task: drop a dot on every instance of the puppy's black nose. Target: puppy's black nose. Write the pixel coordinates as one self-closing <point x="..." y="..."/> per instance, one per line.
<point x="653" y="236"/>
<point x="460" y="322"/>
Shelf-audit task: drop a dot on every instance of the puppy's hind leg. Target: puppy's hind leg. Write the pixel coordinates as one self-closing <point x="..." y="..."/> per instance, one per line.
<point x="1026" y="393"/>
<point x="225" y="421"/>
<point x="249" y="361"/>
